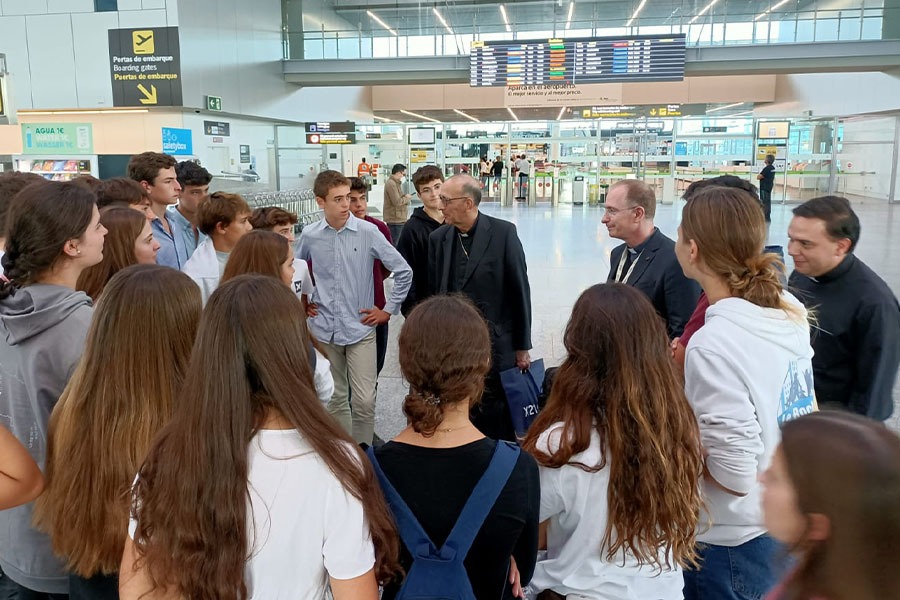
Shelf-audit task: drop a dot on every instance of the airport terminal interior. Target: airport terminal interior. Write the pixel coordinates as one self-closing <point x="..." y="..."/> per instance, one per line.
<point x="269" y="94"/>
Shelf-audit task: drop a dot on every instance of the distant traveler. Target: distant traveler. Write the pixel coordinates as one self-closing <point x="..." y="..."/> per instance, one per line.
<point x="484" y="169"/>
<point x="156" y="174"/>
<point x="363" y="169"/>
<point x="523" y="166"/>
<point x="481" y="257"/>
<point x="856" y="332"/>
<point x="647" y="259"/>
<point x="748" y="371"/>
<point x="413" y="243"/>
<point x="497" y="172"/>
<point x="395" y="209"/>
<point x="766" y="179"/>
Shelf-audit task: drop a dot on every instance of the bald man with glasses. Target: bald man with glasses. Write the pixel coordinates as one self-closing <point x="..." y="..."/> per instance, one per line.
<point x="481" y="256"/>
<point x="646" y="260"/>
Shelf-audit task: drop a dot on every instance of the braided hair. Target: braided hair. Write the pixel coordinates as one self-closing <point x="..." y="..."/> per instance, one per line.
<point x="42" y="218"/>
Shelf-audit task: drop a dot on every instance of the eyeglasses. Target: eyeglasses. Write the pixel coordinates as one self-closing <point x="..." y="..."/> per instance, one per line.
<point x="446" y="200"/>
<point x="612" y="212"/>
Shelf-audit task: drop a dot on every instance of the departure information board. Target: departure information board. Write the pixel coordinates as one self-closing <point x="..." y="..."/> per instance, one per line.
<point x="576" y="61"/>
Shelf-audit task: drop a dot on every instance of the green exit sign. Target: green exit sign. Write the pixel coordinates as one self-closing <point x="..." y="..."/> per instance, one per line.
<point x="214" y="103"/>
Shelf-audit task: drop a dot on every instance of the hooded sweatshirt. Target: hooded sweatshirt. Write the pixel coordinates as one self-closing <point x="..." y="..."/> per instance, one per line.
<point x="42" y="335"/>
<point x="747" y="371"/>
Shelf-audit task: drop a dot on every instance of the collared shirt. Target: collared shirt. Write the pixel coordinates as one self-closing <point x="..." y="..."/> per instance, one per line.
<point x="172" y="250"/>
<point x="184" y="229"/>
<point x="342" y="266"/>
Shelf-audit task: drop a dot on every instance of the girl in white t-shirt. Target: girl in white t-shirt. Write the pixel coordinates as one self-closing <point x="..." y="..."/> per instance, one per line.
<point x="619" y="455"/>
<point x="253" y="490"/>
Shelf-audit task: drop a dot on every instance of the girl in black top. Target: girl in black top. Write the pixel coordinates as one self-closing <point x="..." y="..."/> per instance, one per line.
<point x="437" y="460"/>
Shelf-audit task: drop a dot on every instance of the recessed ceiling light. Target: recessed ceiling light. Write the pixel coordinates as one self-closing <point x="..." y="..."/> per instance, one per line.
<point x="380" y="22"/>
<point x="417" y="115"/>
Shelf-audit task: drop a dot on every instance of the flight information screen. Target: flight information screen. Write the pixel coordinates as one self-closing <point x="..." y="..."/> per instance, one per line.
<point x="575" y="61"/>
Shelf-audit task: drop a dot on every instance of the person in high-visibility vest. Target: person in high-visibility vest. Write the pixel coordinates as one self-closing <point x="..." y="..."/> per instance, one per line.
<point x="363" y="169"/>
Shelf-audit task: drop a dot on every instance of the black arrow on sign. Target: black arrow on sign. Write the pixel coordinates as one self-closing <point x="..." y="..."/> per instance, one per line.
<point x="141" y="39"/>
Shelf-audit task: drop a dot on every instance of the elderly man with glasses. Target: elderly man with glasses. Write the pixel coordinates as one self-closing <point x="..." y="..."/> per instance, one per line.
<point x="646" y="260"/>
<point x="481" y="256"/>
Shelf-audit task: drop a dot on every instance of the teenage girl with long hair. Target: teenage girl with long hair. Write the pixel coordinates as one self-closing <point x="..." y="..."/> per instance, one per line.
<point x="129" y="241"/>
<point x="53" y="233"/>
<point x="253" y="490"/>
<point x="619" y="454"/>
<point x="119" y="397"/>
<point x="832" y="495"/>
<point x="437" y="461"/>
<point x="747" y="371"/>
<point x="263" y="252"/>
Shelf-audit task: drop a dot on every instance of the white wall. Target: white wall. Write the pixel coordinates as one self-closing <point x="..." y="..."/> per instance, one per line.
<point x="225" y="155"/>
<point x="57" y="51"/>
<point x="235" y="52"/>
<point x="834" y="94"/>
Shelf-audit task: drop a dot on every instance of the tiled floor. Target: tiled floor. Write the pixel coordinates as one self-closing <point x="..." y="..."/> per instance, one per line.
<point x="568" y="250"/>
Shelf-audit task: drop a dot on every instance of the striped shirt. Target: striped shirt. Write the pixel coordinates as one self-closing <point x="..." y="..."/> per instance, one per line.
<point x="342" y="267"/>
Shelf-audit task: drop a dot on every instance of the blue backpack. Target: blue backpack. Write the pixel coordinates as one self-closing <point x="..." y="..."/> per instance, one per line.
<point x="439" y="574"/>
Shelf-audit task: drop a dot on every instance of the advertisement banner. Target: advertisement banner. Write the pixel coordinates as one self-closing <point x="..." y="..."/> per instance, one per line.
<point x="177" y="142"/>
<point x="57" y="138"/>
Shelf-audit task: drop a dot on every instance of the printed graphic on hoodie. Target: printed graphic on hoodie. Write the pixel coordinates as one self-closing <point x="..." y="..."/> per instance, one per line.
<point x="798" y="396"/>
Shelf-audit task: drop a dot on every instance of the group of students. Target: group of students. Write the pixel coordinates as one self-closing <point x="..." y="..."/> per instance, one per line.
<point x="190" y="449"/>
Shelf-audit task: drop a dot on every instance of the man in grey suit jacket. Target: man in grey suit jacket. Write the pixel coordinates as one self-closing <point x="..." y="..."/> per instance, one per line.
<point x="646" y="260"/>
<point x="482" y="257"/>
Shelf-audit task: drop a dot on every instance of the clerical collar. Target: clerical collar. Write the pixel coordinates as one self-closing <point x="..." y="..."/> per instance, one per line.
<point x="837" y="272"/>
<point x="471" y="231"/>
<point x="640" y="247"/>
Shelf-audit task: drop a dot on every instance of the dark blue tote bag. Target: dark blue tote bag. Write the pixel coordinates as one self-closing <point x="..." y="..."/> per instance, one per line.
<point x="522" y="391"/>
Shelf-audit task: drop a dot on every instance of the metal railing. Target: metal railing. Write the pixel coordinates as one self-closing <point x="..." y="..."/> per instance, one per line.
<point x="300" y="202"/>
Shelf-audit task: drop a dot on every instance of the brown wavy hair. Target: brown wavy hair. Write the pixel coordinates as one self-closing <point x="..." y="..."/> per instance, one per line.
<point x="847" y="468"/>
<point x="119" y="397"/>
<point x="619" y="380"/>
<point x="730" y="231"/>
<point x="191" y="497"/>
<point x="445" y="354"/>
<point x="124" y="227"/>
<point x="260" y="251"/>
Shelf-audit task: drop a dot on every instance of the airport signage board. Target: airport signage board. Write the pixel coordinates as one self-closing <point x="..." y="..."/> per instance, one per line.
<point x="331" y="127"/>
<point x="577" y="61"/>
<point x="217" y="128"/>
<point x="214" y="103"/>
<point x="177" y="142"/>
<point x="57" y="138"/>
<point x="244" y="153"/>
<point x="330" y="138"/>
<point x="145" y="67"/>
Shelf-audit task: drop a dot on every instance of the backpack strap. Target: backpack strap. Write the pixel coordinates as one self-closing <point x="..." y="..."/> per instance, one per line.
<point x="411" y="531"/>
<point x="482" y="499"/>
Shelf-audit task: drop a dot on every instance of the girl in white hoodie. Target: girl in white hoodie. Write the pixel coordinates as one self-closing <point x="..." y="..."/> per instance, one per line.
<point x="746" y="371"/>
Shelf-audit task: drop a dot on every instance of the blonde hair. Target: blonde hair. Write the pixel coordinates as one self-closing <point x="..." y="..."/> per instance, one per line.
<point x="729" y="229"/>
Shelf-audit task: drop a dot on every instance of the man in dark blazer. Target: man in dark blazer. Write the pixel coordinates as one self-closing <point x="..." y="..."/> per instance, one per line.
<point x="482" y="257"/>
<point x="646" y="260"/>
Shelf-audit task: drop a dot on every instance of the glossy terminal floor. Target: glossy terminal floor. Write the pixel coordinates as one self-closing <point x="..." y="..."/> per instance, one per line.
<point x="568" y="249"/>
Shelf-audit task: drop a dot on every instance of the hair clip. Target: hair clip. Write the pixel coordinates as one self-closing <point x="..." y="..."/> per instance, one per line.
<point x="432" y="399"/>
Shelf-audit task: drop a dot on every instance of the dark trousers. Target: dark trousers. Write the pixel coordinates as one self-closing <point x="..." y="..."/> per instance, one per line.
<point x="396" y="229"/>
<point x="765" y="196"/>
<point x="491" y="415"/>
<point x="10" y="590"/>
<point x="98" y="587"/>
<point x="381" y="341"/>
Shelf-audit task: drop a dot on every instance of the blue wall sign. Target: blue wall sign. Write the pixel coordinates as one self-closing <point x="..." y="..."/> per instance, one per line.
<point x="177" y="142"/>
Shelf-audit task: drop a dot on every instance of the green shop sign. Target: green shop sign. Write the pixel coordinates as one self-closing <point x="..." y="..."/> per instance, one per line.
<point x="57" y="138"/>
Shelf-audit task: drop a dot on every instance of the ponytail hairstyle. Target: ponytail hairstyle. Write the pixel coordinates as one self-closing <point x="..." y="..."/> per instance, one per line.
<point x="619" y="380"/>
<point x="42" y="218"/>
<point x="194" y="531"/>
<point x="445" y="354"/>
<point x="124" y="226"/>
<point x="847" y="468"/>
<point x="729" y="229"/>
<point x="261" y="252"/>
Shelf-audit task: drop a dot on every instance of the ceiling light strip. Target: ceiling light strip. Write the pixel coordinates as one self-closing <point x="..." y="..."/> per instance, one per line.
<point x="512" y="114"/>
<point x="724" y="107"/>
<point x="636" y="12"/>
<point x="441" y="19"/>
<point x="571" y="12"/>
<point x="382" y="23"/>
<point x="505" y="18"/>
<point x="470" y="117"/>
<point x="776" y="7"/>
<point x="418" y="116"/>
<point x="562" y="111"/>
<point x="704" y="11"/>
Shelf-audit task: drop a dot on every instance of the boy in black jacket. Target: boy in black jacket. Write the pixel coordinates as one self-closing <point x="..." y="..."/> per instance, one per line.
<point x="413" y="242"/>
